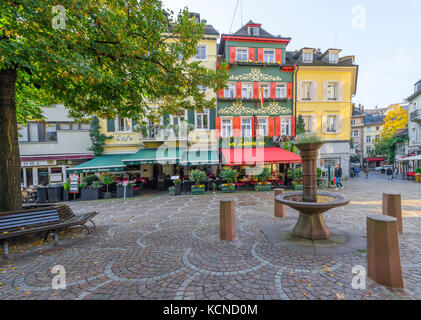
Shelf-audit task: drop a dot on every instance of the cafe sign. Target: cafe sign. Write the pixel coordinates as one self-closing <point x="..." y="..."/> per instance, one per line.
<point x="38" y="163"/>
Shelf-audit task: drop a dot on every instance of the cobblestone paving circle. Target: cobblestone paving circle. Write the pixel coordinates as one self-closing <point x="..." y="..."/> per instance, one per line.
<point x="162" y="247"/>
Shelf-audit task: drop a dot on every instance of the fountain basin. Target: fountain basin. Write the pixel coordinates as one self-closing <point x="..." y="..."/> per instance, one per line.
<point x="310" y="224"/>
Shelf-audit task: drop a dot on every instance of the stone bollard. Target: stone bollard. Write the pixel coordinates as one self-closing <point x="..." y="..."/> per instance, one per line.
<point x="278" y="209"/>
<point x="227" y="220"/>
<point x="392" y="206"/>
<point x="383" y="257"/>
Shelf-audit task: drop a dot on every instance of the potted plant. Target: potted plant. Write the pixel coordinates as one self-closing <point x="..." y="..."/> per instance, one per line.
<point x="229" y="176"/>
<point x="90" y="188"/>
<point x="262" y="177"/>
<point x="66" y="187"/>
<point x="319" y="177"/>
<point x="107" y="179"/>
<point x="129" y="190"/>
<point x="199" y="177"/>
<point x="177" y="187"/>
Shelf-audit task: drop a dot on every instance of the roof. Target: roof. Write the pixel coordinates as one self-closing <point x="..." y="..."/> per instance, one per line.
<point x="401" y="133"/>
<point x="292" y="56"/>
<point x="413" y="96"/>
<point x="244" y="32"/>
<point x="357" y="113"/>
<point x="370" y="120"/>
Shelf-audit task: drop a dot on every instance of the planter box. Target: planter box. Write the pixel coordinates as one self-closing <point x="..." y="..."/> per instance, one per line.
<point x="89" y="194"/>
<point x="298" y="186"/>
<point x="55" y="193"/>
<point x="66" y="195"/>
<point x="263" y="187"/>
<point x="229" y="189"/>
<point x="107" y="195"/>
<point x="129" y="192"/>
<point x="195" y="190"/>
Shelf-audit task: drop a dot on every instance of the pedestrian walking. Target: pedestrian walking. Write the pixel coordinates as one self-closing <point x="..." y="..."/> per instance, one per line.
<point x="355" y="171"/>
<point x="338" y="176"/>
<point x="396" y="172"/>
<point x="389" y="173"/>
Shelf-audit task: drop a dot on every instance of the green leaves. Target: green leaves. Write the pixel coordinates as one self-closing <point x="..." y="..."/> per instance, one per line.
<point x="113" y="57"/>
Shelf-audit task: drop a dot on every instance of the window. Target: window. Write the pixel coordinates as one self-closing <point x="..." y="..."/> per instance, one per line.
<point x="331" y="124"/>
<point x="307" y="123"/>
<point x="201" y="52"/>
<point x="50" y="132"/>
<point x="308" y="57"/>
<point x="268" y="56"/>
<point x="246" y="127"/>
<point x="377" y="137"/>
<point x="414" y="136"/>
<point x="229" y="91"/>
<point x="226" y="128"/>
<point x="285" y="126"/>
<point x="246" y="91"/>
<point x="33" y="131"/>
<point x="307" y="90"/>
<point x="123" y="124"/>
<point x="355" y="133"/>
<point x="333" y="57"/>
<point x="262" y="127"/>
<point x="353" y="122"/>
<point x="176" y="119"/>
<point x="64" y="126"/>
<point x="266" y="91"/>
<point x="23" y="133"/>
<point x="368" y="150"/>
<point x="368" y="128"/>
<point x="332" y="91"/>
<point x="202" y="120"/>
<point x="242" y="55"/>
<point x="368" y="139"/>
<point x="85" y="126"/>
<point x="281" y="91"/>
<point x="253" y="31"/>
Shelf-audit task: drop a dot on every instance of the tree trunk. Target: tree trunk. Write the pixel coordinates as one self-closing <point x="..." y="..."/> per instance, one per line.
<point x="10" y="172"/>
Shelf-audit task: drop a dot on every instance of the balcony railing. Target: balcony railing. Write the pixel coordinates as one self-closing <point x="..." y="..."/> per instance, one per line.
<point x="416" y="115"/>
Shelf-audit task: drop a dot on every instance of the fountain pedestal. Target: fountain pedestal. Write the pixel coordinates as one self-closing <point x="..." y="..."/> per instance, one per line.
<point x="311" y="226"/>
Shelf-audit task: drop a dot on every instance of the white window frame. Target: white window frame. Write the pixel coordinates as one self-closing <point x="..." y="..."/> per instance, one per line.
<point x="205" y="112"/>
<point x="307" y="122"/>
<point x="333" y="57"/>
<point x="23" y="133"/>
<point x="266" y="55"/>
<point x="125" y="130"/>
<point x="304" y="84"/>
<point x="262" y="127"/>
<point x="309" y="56"/>
<point x="242" y="49"/>
<point x="197" y="57"/>
<point x="224" y="127"/>
<point x="266" y="90"/>
<point x="335" y="92"/>
<point x="246" y="90"/>
<point x="250" y="129"/>
<point x="335" y="124"/>
<point x="355" y="133"/>
<point x="228" y="90"/>
<point x="368" y="139"/>
<point x="285" y="122"/>
<point x="282" y="90"/>
<point x="172" y="117"/>
<point x="253" y="31"/>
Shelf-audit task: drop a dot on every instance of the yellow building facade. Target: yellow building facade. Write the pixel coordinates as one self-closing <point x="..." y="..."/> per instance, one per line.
<point x="324" y="87"/>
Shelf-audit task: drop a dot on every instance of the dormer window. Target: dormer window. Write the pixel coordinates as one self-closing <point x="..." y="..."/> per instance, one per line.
<point x="242" y="54"/>
<point x="307" y="57"/>
<point x="333" y="57"/>
<point x="253" y="31"/>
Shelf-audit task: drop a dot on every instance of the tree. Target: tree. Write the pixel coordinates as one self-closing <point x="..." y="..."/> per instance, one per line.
<point x="97" y="57"/>
<point x="396" y="118"/>
<point x="300" y="127"/>
<point x="97" y="138"/>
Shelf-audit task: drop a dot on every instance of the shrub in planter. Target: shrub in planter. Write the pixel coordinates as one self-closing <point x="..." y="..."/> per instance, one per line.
<point x="66" y="187"/>
<point x="198" y="189"/>
<point x="229" y="175"/>
<point x="89" y="180"/>
<point x="107" y="180"/>
<point x="129" y="190"/>
<point x="263" y="186"/>
<point x="227" y="187"/>
<point x="89" y="194"/>
<point x="177" y="187"/>
<point x="199" y="177"/>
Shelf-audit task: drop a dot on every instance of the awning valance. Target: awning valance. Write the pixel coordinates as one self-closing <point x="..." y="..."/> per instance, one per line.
<point x="200" y="157"/>
<point x="161" y="155"/>
<point x="251" y="156"/>
<point x="104" y="163"/>
<point x="413" y="158"/>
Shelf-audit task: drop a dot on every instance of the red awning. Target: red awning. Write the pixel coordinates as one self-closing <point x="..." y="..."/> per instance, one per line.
<point x="374" y="159"/>
<point x="251" y="156"/>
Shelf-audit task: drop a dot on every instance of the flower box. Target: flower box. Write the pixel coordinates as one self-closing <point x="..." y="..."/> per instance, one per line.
<point x="228" y="188"/>
<point x="89" y="194"/>
<point x="263" y="187"/>
<point x="197" y="189"/>
<point x="298" y="186"/>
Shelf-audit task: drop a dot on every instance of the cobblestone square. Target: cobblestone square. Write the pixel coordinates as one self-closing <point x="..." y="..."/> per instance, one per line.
<point x="162" y="247"/>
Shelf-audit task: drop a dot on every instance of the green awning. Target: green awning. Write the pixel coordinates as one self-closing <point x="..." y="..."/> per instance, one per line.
<point x="161" y="155"/>
<point x="200" y="157"/>
<point x="104" y="163"/>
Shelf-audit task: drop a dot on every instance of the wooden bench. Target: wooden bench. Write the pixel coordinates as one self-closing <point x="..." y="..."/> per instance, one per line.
<point x="43" y="218"/>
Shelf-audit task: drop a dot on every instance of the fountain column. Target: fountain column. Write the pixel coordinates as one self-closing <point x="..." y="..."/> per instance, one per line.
<point x="308" y="153"/>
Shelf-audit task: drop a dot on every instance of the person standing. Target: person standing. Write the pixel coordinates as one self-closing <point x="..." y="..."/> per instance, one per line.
<point x="338" y="176"/>
<point x="389" y="173"/>
<point x="396" y="172"/>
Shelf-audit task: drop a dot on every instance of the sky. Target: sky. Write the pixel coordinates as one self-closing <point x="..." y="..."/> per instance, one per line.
<point x="386" y="43"/>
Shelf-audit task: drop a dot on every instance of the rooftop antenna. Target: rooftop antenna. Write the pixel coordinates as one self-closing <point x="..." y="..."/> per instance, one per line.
<point x="235" y="11"/>
<point x="241" y="12"/>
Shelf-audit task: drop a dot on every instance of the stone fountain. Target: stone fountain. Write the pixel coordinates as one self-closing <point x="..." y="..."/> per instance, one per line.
<point x="310" y="203"/>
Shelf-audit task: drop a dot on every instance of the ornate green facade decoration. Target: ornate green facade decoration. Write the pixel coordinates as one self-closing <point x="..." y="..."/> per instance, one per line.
<point x="238" y="109"/>
<point x="255" y="75"/>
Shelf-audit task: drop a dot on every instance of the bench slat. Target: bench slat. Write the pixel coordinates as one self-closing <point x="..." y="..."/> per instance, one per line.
<point x="26" y="223"/>
<point x="24" y="214"/>
<point x="44" y="215"/>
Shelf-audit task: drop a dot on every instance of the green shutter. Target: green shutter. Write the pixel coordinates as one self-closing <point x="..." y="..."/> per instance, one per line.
<point x="212" y="119"/>
<point x="111" y="125"/>
<point x="190" y="117"/>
